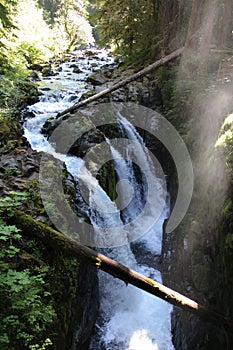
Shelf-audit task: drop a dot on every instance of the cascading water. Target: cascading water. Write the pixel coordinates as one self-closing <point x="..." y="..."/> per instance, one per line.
<point x="129" y="318"/>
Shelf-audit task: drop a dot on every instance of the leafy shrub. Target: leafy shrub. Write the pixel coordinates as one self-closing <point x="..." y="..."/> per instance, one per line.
<point x="26" y="305"/>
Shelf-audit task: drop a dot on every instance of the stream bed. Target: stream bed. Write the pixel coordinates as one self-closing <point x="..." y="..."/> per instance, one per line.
<point x="129" y="319"/>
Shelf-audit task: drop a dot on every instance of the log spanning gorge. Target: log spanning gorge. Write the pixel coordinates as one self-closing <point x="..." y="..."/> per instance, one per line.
<point x="128" y="317"/>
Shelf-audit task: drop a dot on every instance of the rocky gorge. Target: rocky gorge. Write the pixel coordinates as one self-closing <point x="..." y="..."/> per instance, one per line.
<point x="199" y="247"/>
<point x="19" y="172"/>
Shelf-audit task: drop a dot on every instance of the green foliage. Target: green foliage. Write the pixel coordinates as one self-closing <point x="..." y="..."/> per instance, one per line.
<point x="38" y="287"/>
<point x="16" y="91"/>
<point x="15" y="199"/>
<point x="46" y="343"/>
<point x="8" y="90"/>
<point x="6" y="9"/>
<point x="126" y="27"/>
<point x="50" y="9"/>
<point x="26" y="305"/>
<point x="30" y="52"/>
<point x="225" y="140"/>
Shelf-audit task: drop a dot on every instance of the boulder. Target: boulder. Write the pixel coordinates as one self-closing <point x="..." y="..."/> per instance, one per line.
<point x="96" y="79"/>
<point x="48" y="71"/>
<point x="76" y="68"/>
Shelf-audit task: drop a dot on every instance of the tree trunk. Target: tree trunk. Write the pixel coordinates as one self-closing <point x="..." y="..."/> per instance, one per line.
<point x="50" y="237"/>
<point x="124" y="82"/>
<point x="199" y="35"/>
<point x="191" y="42"/>
<point x="207" y="26"/>
<point x="224" y="27"/>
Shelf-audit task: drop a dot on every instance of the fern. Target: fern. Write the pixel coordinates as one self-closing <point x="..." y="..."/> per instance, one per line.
<point x="26" y="307"/>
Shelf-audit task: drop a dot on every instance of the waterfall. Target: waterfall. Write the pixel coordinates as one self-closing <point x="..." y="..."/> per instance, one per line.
<point x="129" y="319"/>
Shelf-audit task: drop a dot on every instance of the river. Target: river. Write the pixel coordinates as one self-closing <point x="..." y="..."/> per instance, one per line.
<point x="129" y="319"/>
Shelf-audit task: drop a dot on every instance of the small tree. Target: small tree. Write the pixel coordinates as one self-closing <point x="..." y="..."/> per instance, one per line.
<point x="72" y="24"/>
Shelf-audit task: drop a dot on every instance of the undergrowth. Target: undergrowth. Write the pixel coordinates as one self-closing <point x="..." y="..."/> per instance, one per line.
<point x="26" y="304"/>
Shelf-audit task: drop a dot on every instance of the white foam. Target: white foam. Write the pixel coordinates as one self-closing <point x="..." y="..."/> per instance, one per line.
<point x="133" y="319"/>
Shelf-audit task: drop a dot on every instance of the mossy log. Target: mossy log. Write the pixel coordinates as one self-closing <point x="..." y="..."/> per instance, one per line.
<point x="53" y="238"/>
<point x="124" y="82"/>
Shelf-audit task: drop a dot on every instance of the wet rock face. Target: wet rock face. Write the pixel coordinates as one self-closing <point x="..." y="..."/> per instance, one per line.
<point x="197" y="254"/>
<point x="85" y="307"/>
<point x="19" y="171"/>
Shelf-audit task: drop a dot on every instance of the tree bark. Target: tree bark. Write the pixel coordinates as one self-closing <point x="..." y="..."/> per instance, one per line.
<point x="124" y="82"/>
<point x="52" y="238"/>
<point x="224" y="27"/>
<point x="210" y="12"/>
<point x="198" y="40"/>
<point x="191" y="42"/>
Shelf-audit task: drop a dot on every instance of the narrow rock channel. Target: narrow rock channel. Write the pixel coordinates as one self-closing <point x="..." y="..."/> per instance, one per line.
<point x="128" y="318"/>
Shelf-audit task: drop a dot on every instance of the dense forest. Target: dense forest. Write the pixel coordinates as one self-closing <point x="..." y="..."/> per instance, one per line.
<point x="46" y="292"/>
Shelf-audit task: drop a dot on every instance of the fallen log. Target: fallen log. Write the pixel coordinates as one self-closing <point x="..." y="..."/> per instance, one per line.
<point x="53" y="238"/>
<point x="124" y="82"/>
